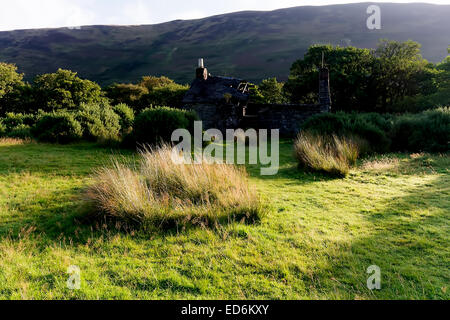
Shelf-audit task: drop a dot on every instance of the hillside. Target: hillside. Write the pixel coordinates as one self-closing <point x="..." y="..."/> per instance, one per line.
<point x="252" y="45"/>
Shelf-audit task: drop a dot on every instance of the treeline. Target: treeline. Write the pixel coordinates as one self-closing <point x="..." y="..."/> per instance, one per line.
<point x="64" y="90"/>
<point x="61" y="107"/>
<point x="392" y="78"/>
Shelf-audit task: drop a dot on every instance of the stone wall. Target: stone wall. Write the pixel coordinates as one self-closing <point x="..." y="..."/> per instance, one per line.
<point x="285" y="117"/>
<point x="218" y="116"/>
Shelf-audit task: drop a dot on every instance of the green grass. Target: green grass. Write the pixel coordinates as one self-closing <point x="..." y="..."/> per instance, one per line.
<point x="316" y="241"/>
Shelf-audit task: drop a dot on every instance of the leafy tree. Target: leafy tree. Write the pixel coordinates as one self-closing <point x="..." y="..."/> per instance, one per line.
<point x="170" y="95"/>
<point x="271" y="91"/>
<point x="65" y="90"/>
<point x="394" y="77"/>
<point x="126" y="115"/>
<point x="150" y="91"/>
<point x="152" y="82"/>
<point x="350" y="70"/>
<point x="11" y="85"/>
<point x="255" y="95"/>
<point x="399" y="71"/>
<point x="10" y="79"/>
<point x="129" y="94"/>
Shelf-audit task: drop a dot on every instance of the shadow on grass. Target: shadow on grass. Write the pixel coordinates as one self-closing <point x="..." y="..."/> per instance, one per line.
<point x="65" y="214"/>
<point x="408" y="241"/>
<point x="72" y="159"/>
<point x="74" y="219"/>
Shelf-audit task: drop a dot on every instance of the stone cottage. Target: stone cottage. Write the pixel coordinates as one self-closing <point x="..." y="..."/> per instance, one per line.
<point x="224" y="103"/>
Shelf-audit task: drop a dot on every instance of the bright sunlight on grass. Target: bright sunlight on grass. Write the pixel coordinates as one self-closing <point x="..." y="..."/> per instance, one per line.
<point x="316" y="241"/>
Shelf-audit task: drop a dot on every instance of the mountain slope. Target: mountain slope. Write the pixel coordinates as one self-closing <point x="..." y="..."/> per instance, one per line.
<point x="251" y="45"/>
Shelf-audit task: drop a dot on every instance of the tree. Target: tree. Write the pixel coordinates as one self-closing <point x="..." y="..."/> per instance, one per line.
<point x="152" y="82"/>
<point x="11" y="84"/>
<point x="10" y="79"/>
<point x="386" y="79"/>
<point x="130" y="94"/>
<point x="170" y="95"/>
<point x="350" y="71"/>
<point x="150" y="91"/>
<point x="65" y="90"/>
<point x="271" y="91"/>
<point x="398" y="70"/>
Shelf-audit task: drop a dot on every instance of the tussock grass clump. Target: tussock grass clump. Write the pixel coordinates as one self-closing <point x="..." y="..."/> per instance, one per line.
<point x="329" y="154"/>
<point x="13" y="141"/>
<point x="159" y="192"/>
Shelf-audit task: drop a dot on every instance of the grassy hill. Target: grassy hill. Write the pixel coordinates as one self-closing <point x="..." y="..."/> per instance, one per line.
<point x="252" y="45"/>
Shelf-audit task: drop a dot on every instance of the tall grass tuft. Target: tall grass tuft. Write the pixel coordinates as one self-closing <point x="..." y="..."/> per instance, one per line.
<point x="329" y="154"/>
<point x="159" y="192"/>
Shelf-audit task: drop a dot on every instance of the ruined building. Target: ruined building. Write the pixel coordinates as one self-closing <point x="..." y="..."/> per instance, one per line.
<point x="224" y="103"/>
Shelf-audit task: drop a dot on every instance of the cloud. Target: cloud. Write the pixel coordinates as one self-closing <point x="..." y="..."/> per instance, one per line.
<point x="20" y="14"/>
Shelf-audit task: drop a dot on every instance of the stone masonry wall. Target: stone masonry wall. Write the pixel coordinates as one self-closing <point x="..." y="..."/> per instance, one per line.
<point x="220" y="117"/>
<point x="285" y="117"/>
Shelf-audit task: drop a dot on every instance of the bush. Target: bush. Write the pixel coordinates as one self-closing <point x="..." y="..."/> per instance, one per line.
<point x="328" y="154"/>
<point x="156" y="125"/>
<point x="372" y="127"/>
<point x="58" y="128"/>
<point x="17" y="125"/>
<point x="428" y="131"/>
<point x="99" y="122"/>
<point x="22" y="131"/>
<point x="169" y="95"/>
<point x="129" y="94"/>
<point x="2" y="129"/>
<point x="161" y="192"/>
<point x="126" y="115"/>
<point x="12" y="120"/>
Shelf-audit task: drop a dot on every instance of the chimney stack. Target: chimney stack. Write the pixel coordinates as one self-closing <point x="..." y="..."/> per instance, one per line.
<point x="201" y="72"/>
<point x="324" y="89"/>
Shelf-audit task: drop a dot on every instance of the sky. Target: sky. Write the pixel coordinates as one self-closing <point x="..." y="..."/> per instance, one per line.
<point x="27" y="14"/>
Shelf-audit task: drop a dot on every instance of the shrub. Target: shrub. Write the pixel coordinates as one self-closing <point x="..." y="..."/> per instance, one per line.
<point x="58" y="127"/>
<point x="2" y="129"/>
<point x="428" y="131"/>
<point x="126" y="115"/>
<point x="372" y="127"/>
<point x="328" y="154"/>
<point x="99" y="122"/>
<point x="129" y="94"/>
<point x="156" y="125"/>
<point x="17" y="125"/>
<point x="12" y="120"/>
<point x="161" y="192"/>
<point x="21" y="131"/>
<point x="167" y="95"/>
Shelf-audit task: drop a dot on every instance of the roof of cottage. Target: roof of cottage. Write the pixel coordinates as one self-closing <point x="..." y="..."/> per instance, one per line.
<point x="216" y="89"/>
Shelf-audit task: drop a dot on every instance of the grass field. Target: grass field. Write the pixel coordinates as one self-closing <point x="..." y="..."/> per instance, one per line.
<point x="316" y="241"/>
